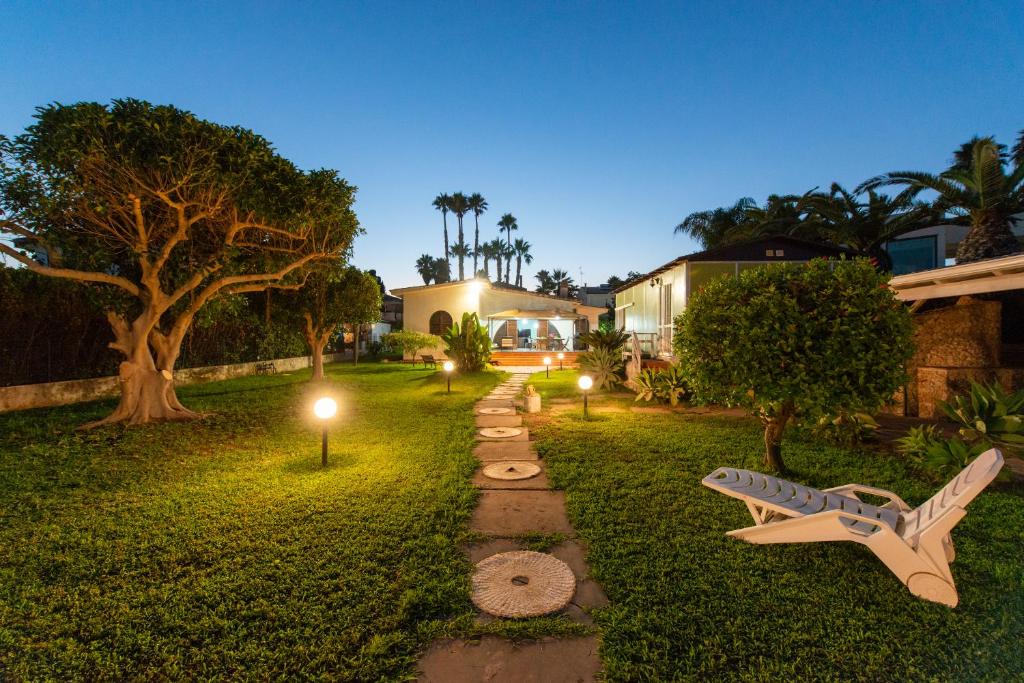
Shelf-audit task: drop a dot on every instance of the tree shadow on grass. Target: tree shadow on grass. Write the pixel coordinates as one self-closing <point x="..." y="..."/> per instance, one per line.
<point x="311" y="465"/>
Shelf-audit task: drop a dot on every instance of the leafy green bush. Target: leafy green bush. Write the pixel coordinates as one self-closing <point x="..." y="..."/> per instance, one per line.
<point x="604" y="366"/>
<point x="937" y="457"/>
<point x="844" y="429"/>
<point x="989" y="414"/>
<point x="410" y="343"/>
<point x="789" y="339"/>
<point x="468" y="345"/>
<point x="663" y="385"/>
<point x="609" y="339"/>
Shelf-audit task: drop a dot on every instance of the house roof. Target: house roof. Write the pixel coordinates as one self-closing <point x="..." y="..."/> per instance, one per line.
<point x="502" y="287"/>
<point x="751" y="250"/>
<point x="978" y="277"/>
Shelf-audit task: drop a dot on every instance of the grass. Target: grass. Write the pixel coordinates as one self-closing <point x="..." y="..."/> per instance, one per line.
<point x="561" y="384"/>
<point x="221" y="549"/>
<point x="689" y="603"/>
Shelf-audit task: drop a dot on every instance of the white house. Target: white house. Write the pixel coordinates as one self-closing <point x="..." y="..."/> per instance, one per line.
<point x="648" y="305"/>
<point x="516" y="320"/>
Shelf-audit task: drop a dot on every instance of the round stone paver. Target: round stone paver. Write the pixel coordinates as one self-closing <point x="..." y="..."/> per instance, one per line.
<point x="496" y="411"/>
<point x="522" y="584"/>
<point x="511" y="471"/>
<point x="500" y="432"/>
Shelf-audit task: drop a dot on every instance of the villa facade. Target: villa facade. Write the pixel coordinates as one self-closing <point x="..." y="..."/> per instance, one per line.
<point x="648" y="305"/>
<point x="517" y="320"/>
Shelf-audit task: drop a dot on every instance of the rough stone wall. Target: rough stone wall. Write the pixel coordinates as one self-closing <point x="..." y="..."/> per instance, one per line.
<point x="953" y="346"/>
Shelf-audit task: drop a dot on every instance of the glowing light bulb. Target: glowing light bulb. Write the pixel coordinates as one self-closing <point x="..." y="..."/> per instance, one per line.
<point x="586" y="383"/>
<point x="325" y="408"/>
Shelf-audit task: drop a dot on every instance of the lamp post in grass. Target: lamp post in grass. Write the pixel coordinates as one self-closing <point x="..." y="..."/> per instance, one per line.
<point x="586" y="383"/>
<point x="448" y="368"/>
<point x="561" y="357"/>
<point x="547" y="367"/>
<point x="325" y="408"/>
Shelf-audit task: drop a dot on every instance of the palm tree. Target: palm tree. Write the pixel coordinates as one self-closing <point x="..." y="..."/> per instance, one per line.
<point x="443" y="203"/>
<point x="460" y="207"/>
<point x="442" y="270"/>
<point x="508" y="251"/>
<point x="710" y="227"/>
<point x="522" y="249"/>
<point x="461" y="250"/>
<point x="486" y="252"/>
<point x="866" y="225"/>
<point x="497" y="253"/>
<point x="507" y="224"/>
<point x="983" y="193"/>
<point x="425" y="267"/>
<point x="478" y="205"/>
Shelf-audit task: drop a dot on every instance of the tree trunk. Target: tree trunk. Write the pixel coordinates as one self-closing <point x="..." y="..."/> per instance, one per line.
<point x="318" y="361"/>
<point x="147" y="389"/>
<point x="519" y="270"/>
<point x="476" y="243"/>
<point x="447" y="259"/>
<point x="989" y="237"/>
<point x="355" y="343"/>
<point x="773" y="429"/>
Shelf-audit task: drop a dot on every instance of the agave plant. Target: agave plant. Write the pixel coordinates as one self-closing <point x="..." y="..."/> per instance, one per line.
<point x="672" y="385"/>
<point x="646" y="385"/>
<point x="989" y="414"/>
<point x="603" y="365"/>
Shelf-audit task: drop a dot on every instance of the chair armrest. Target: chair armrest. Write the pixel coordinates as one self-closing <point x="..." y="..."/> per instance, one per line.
<point x="895" y="502"/>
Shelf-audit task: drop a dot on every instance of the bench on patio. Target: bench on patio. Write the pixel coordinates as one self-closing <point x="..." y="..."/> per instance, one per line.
<point x="428" y="360"/>
<point x="266" y="368"/>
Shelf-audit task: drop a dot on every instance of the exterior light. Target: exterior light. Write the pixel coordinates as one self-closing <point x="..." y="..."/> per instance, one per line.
<point x="561" y="357"/>
<point x="547" y="367"/>
<point x="586" y="383"/>
<point x="325" y="408"/>
<point x="475" y="287"/>
<point x="448" y="367"/>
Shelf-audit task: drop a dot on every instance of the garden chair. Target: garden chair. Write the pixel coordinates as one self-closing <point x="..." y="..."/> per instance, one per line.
<point x="428" y="360"/>
<point x="914" y="543"/>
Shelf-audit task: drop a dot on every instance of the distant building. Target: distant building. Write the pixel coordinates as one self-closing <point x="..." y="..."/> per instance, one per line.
<point x="391" y="311"/>
<point x="649" y="304"/>
<point x="601" y="295"/>
<point x="932" y="247"/>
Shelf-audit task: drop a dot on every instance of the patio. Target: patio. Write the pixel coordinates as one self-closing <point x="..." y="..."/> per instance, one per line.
<point x="536" y="330"/>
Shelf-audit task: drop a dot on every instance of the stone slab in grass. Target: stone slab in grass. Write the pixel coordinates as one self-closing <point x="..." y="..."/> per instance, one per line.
<point x="538" y="482"/>
<point x="498" y="421"/>
<point x="513" y="513"/>
<point x="484" y="436"/>
<point x="497" y="660"/>
<point x="494" y="403"/>
<point x="490" y="451"/>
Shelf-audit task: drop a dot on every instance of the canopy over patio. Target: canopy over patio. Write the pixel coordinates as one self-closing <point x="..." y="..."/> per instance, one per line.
<point x="541" y="314"/>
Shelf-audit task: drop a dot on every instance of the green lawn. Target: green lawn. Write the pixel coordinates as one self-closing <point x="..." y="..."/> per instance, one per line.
<point x="689" y="603"/>
<point x="220" y="549"/>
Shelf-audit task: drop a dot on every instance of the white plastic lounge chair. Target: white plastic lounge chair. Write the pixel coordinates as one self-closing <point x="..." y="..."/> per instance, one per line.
<point x="914" y="544"/>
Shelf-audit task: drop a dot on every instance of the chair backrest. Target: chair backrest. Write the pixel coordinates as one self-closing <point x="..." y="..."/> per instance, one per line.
<point x="427" y="358"/>
<point x="958" y="493"/>
<point x="508" y="343"/>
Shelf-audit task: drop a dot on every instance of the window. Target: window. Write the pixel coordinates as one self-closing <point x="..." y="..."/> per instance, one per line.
<point x="912" y="254"/>
<point x="440" y="322"/>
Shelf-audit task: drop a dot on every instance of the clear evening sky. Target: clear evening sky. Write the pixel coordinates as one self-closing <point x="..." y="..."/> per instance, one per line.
<point x="598" y="125"/>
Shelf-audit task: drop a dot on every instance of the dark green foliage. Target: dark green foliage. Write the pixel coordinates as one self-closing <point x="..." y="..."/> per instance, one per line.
<point x="603" y="338"/>
<point x="806" y="340"/>
<point x="664" y="385"/>
<point x="604" y="366"/>
<point x="938" y="458"/>
<point x="845" y="429"/>
<point x="218" y="549"/>
<point x="989" y="414"/>
<point x="410" y="343"/>
<point x="689" y="603"/>
<point x="468" y="344"/>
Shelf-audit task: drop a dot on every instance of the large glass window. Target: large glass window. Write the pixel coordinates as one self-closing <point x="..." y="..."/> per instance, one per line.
<point x="912" y="254"/>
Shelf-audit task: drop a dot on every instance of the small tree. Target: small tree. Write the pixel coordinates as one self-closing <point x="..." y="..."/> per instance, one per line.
<point x="329" y="298"/>
<point x="410" y="342"/>
<point x="796" y="339"/>
<point x="159" y="212"/>
<point x="361" y="306"/>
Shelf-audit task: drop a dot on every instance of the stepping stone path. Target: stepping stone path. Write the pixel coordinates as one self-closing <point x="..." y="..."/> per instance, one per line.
<point x="508" y="581"/>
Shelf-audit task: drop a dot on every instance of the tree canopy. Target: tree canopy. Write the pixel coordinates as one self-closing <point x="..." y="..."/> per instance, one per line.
<point x="164" y="212"/>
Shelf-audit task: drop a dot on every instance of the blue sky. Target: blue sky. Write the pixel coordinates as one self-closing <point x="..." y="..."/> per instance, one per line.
<point x="598" y="125"/>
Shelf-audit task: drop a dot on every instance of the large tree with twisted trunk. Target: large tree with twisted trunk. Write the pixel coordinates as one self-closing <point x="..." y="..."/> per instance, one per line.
<point x="160" y="212"/>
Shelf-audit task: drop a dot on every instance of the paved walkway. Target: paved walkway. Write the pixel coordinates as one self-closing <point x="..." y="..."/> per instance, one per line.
<point x="508" y="510"/>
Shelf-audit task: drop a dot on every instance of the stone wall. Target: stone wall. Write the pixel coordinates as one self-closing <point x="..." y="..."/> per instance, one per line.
<point x="53" y="394"/>
<point x="954" y="346"/>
